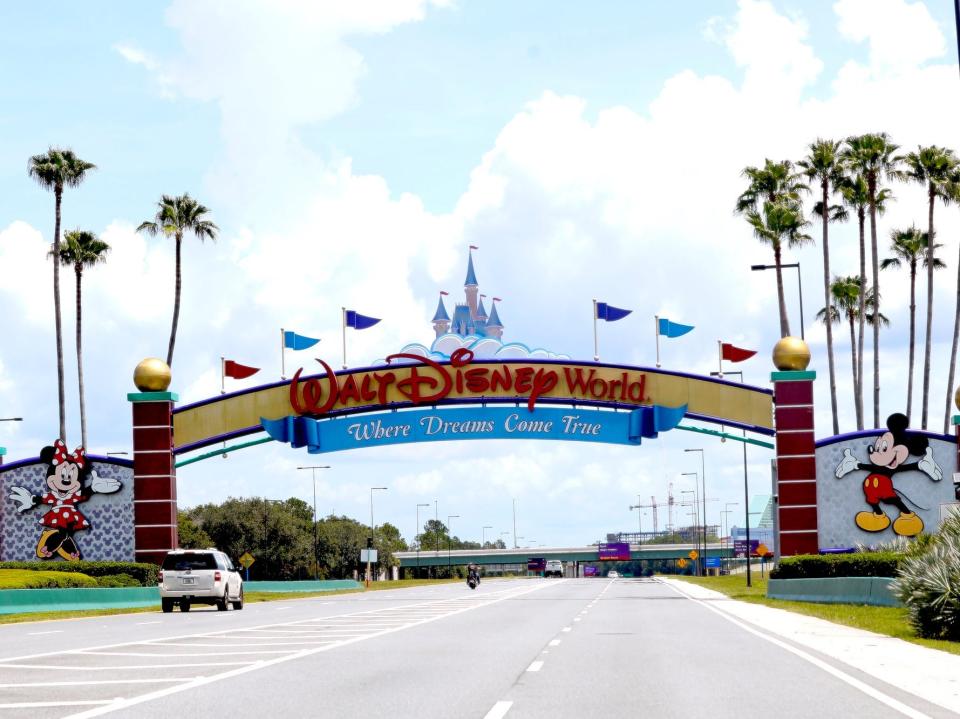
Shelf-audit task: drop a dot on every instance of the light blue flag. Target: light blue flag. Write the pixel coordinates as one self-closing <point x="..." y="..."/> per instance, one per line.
<point x="293" y="341"/>
<point x="673" y="329"/>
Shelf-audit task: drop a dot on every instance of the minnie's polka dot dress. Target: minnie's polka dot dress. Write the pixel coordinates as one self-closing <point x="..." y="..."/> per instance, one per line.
<point x="64" y="514"/>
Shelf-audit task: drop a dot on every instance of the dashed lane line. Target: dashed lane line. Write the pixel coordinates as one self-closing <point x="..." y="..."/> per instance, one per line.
<point x="499" y="710"/>
<point x="554" y="642"/>
<point x="25" y="685"/>
<point x="535" y="666"/>
<point x="43" y="705"/>
<point x="288" y="656"/>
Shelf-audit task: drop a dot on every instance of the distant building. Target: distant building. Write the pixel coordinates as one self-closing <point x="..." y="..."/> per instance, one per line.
<point x="470" y="318"/>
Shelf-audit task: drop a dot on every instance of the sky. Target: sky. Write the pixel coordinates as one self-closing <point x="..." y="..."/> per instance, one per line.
<point x="350" y="152"/>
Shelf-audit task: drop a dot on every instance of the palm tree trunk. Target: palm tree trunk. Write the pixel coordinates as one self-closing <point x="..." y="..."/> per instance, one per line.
<point x="927" y="340"/>
<point x="83" y="405"/>
<point x="61" y="394"/>
<point x="176" y="303"/>
<point x="876" y="301"/>
<point x="827" y="303"/>
<point x="862" y="310"/>
<point x="784" y="322"/>
<point x="953" y="355"/>
<point x="913" y="329"/>
<point x="853" y="350"/>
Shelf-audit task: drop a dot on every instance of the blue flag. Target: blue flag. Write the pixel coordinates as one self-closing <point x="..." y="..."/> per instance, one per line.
<point x="610" y="313"/>
<point x="293" y="341"/>
<point x="359" y="321"/>
<point x="673" y="329"/>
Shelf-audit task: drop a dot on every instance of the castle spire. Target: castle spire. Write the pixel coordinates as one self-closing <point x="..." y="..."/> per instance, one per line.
<point x="470" y="286"/>
<point x="471" y="280"/>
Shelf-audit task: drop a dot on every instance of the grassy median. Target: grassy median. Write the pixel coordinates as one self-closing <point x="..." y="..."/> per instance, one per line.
<point x="250" y="597"/>
<point x="891" y="621"/>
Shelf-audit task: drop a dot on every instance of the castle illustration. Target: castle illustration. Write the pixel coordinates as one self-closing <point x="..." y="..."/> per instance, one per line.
<point x="470" y="318"/>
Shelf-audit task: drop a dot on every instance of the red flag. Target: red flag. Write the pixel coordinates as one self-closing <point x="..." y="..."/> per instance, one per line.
<point x="736" y="354"/>
<point x="237" y="370"/>
<point x="444" y="293"/>
<point x="497" y="299"/>
<point x="474" y="247"/>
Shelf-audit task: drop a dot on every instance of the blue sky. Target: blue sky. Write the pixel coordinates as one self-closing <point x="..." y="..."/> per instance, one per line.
<point x="350" y="154"/>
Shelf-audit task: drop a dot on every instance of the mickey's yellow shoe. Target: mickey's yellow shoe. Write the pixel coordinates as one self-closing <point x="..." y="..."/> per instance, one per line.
<point x="908" y="524"/>
<point x="872" y="522"/>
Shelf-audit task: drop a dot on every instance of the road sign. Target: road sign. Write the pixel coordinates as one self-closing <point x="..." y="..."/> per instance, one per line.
<point x="682" y="563"/>
<point x="762" y="550"/>
<point x="693" y="555"/>
<point x="246" y="559"/>
<point x="371" y="553"/>
<point x="713" y="562"/>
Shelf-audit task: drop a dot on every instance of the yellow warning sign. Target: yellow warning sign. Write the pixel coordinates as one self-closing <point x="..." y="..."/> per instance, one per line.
<point x="246" y="559"/>
<point x="693" y="555"/>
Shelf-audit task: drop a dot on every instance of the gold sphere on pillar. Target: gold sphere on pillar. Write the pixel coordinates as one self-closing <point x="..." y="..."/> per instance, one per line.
<point x="791" y="354"/>
<point x="152" y="375"/>
<point x="956" y="398"/>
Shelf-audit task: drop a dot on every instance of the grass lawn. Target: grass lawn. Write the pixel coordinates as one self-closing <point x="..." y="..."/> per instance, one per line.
<point x="248" y="597"/>
<point x="891" y="621"/>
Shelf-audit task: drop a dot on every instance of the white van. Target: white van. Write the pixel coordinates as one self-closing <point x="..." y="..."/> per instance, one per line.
<point x="554" y="568"/>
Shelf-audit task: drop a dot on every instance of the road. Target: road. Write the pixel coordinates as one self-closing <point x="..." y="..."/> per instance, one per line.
<point x="512" y="648"/>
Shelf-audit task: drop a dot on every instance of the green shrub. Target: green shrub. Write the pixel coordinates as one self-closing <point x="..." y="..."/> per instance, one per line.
<point x="117" y="580"/>
<point x="858" y="564"/>
<point x="145" y="574"/>
<point x="25" y="579"/>
<point x="929" y="585"/>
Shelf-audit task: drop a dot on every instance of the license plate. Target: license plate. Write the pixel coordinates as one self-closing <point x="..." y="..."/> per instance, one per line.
<point x="188" y="580"/>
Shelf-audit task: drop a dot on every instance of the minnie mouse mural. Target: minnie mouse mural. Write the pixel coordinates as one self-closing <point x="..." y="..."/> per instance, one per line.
<point x="66" y="477"/>
<point x="888" y="457"/>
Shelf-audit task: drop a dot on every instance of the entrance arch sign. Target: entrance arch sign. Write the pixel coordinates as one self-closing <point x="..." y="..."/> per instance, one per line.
<point x="410" y="381"/>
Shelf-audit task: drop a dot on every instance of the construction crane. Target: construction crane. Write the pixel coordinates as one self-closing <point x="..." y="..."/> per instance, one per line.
<point x="639" y="507"/>
<point x="670" y="504"/>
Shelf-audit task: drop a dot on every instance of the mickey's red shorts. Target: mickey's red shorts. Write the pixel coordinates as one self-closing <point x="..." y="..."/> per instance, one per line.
<point x="878" y="487"/>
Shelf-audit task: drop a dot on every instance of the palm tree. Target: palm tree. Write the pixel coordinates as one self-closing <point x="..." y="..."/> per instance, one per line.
<point x="82" y="249"/>
<point x="872" y="156"/>
<point x="932" y="167"/>
<point x="846" y="301"/>
<point x="823" y="165"/>
<point x="177" y="216"/>
<point x="771" y="200"/>
<point x="908" y="247"/>
<point x="56" y="169"/>
<point x="953" y="189"/>
<point x="857" y="198"/>
<point x="781" y="222"/>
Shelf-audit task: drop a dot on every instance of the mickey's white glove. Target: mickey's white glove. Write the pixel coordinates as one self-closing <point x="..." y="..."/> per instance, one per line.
<point x="22" y="496"/>
<point x="848" y="464"/>
<point x="104" y="485"/>
<point x="929" y="467"/>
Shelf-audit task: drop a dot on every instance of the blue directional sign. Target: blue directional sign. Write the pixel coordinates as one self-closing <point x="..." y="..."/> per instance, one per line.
<point x="713" y="562"/>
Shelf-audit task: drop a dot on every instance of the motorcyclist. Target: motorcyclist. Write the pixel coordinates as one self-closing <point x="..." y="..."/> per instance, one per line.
<point x="473" y="572"/>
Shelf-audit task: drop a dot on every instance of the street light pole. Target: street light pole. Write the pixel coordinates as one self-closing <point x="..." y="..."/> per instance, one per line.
<point x="757" y="268"/>
<point x="639" y="509"/>
<point x="483" y="542"/>
<point x="415" y="536"/>
<point x="703" y="495"/>
<point x="514" y="523"/>
<point x="372" y="532"/>
<point x="316" y="561"/>
<point x="696" y="505"/>
<point x="449" y="534"/>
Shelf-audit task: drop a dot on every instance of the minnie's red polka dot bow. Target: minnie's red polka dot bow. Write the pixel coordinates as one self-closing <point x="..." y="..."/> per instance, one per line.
<point x="60" y="454"/>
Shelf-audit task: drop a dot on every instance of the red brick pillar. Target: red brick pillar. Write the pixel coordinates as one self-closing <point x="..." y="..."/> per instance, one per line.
<point x="796" y="462"/>
<point x="154" y="475"/>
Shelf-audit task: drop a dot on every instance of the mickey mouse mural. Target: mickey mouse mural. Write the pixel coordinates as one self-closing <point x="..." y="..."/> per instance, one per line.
<point x="67" y="477"/>
<point x="888" y="457"/>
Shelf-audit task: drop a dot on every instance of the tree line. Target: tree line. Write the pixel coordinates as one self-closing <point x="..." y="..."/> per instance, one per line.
<point x="176" y="216"/>
<point x="280" y="536"/>
<point x="847" y="179"/>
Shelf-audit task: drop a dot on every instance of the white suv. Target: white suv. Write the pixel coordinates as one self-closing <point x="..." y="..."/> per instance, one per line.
<point x="199" y="576"/>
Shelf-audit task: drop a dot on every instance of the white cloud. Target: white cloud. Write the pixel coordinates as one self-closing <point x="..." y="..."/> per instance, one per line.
<point x="136" y="56"/>
<point x="901" y="35"/>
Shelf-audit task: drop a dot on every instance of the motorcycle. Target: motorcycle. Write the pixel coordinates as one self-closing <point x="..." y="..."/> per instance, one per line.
<point x="472" y="581"/>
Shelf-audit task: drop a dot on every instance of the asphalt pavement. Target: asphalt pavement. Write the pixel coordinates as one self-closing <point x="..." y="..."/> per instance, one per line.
<point x="512" y="648"/>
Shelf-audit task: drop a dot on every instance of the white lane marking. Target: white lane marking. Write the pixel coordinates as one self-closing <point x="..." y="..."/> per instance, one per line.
<point x="294" y="623"/>
<point x="160" y="693"/>
<point x="37" y="705"/>
<point x="565" y="629"/>
<point x="92" y="682"/>
<point x="37" y="634"/>
<point x="194" y="654"/>
<point x="535" y="666"/>
<point x="230" y="646"/>
<point x="498" y="710"/>
<point x="125" y="666"/>
<point x="143" y="624"/>
<point x="576" y="619"/>
<point x="870" y="691"/>
<point x="554" y="642"/>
